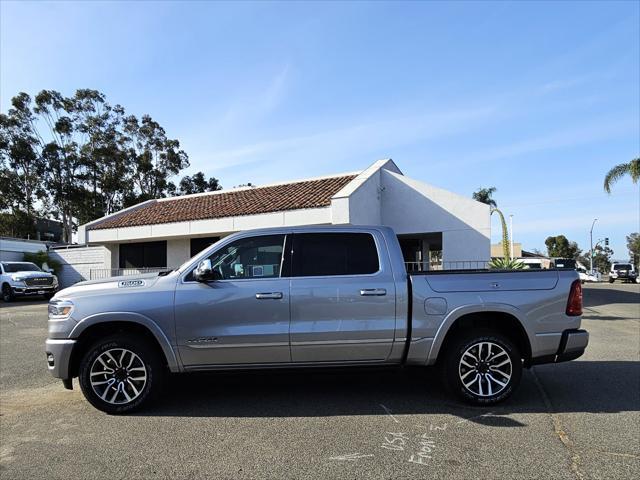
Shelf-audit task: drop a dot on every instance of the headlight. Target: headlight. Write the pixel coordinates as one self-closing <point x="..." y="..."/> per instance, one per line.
<point x="17" y="278"/>
<point x="60" y="310"/>
<point x="55" y="281"/>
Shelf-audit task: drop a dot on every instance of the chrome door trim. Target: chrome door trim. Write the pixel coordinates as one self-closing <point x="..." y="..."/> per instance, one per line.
<point x="341" y="342"/>
<point x="373" y="292"/>
<point x="242" y="345"/>
<point x="269" y="296"/>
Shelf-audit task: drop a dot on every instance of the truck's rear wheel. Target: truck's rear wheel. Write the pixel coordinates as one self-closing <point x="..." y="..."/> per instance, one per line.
<point x="119" y="374"/>
<point x="482" y="367"/>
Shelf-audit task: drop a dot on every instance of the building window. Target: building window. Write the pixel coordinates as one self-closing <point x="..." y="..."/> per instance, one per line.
<point x="199" y="244"/>
<point x="143" y="255"/>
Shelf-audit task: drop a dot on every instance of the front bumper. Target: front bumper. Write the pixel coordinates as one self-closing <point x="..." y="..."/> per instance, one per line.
<point x="19" y="291"/>
<point x="59" y="358"/>
<point x="573" y="343"/>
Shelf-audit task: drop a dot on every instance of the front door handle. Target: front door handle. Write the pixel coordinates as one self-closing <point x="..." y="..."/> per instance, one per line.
<point x="269" y="295"/>
<point x="373" y="292"/>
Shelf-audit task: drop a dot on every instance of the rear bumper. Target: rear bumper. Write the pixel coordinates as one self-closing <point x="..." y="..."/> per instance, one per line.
<point x="59" y="357"/>
<point x="573" y="343"/>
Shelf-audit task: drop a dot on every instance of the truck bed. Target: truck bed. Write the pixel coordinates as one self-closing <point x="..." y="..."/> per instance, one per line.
<point x="536" y="298"/>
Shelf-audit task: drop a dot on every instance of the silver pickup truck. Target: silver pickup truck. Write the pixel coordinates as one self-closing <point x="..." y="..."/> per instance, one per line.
<point x="308" y="297"/>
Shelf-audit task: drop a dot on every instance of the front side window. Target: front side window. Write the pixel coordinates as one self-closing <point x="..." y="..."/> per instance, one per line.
<point x="253" y="257"/>
<point x="323" y="254"/>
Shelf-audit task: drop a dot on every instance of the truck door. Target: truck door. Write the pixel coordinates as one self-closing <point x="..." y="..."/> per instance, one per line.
<point x="242" y="317"/>
<point x="342" y="297"/>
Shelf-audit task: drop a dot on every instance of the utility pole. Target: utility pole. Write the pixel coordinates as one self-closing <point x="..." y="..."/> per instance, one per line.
<point x="511" y="233"/>
<point x="591" y="250"/>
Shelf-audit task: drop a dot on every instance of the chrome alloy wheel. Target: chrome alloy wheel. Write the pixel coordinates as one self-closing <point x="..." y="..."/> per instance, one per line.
<point x="118" y="376"/>
<point x="485" y="369"/>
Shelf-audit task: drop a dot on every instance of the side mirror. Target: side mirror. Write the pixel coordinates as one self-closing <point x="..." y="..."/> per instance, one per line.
<point x="204" y="271"/>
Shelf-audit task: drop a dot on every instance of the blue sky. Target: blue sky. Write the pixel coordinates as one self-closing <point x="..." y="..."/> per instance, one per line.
<point x="538" y="99"/>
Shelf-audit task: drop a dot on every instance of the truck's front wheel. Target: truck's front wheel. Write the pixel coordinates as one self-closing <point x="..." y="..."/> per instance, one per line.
<point x="482" y="367"/>
<point x="120" y="373"/>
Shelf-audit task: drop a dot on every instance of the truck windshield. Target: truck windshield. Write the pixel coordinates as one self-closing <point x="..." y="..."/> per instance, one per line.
<point x="622" y="266"/>
<point x="20" y="267"/>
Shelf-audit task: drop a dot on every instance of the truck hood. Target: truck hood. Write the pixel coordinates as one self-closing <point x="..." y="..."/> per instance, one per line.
<point x="30" y="274"/>
<point x="125" y="282"/>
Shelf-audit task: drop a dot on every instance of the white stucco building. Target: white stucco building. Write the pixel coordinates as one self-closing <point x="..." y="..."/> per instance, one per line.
<point x="430" y="222"/>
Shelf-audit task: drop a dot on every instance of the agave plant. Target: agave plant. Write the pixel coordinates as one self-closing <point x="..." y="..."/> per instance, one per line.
<point x="506" y="264"/>
<point x="505" y="233"/>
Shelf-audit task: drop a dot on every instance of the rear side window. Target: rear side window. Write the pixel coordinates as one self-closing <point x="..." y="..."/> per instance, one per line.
<point x="323" y="254"/>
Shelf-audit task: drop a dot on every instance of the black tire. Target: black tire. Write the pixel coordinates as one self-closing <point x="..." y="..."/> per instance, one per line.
<point x="48" y="296"/>
<point x="611" y="280"/>
<point x="149" y="358"/>
<point x="7" y="293"/>
<point x="453" y="369"/>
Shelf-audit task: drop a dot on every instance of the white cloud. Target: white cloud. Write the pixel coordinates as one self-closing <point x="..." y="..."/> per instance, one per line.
<point x="344" y="142"/>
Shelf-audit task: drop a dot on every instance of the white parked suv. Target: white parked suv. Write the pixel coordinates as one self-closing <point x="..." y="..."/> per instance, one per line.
<point x="623" y="271"/>
<point x="26" y="278"/>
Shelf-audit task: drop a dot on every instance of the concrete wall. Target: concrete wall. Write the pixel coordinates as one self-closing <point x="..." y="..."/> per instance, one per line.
<point x="78" y="262"/>
<point x="359" y="202"/>
<point x="178" y="252"/>
<point x="413" y="207"/>
<point x="13" y="249"/>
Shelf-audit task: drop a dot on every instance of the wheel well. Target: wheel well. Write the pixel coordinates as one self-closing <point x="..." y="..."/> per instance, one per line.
<point x="500" y="322"/>
<point x="99" y="330"/>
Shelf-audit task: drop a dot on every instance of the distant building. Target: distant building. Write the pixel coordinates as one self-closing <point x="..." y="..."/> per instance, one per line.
<point x="498" y="252"/>
<point x="432" y="224"/>
<point x="48" y="230"/>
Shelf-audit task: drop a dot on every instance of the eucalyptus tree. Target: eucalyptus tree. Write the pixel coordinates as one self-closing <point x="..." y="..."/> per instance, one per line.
<point x="197" y="183"/>
<point x="80" y="158"/>
<point x="64" y="173"/>
<point x="153" y="157"/>
<point x="21" y="165"/>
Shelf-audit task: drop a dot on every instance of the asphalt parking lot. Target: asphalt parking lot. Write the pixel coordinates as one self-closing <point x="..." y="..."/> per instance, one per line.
<point x="576" y="420"/>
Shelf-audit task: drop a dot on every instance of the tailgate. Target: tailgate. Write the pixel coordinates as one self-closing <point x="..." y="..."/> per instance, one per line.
<point x="493" y="281"/>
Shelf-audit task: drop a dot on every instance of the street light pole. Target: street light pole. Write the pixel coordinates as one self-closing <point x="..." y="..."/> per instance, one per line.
<point x="591" y="249"/>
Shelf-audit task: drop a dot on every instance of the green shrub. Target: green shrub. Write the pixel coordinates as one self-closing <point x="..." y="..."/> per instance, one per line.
<point x="42" y="257"/>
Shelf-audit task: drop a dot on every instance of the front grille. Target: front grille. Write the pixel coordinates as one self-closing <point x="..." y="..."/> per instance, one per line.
<point x="39" y="282"/>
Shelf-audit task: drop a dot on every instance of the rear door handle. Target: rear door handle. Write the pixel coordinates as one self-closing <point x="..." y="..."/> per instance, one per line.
<point x="373" y="292"/>
<point x="269" y="295"/>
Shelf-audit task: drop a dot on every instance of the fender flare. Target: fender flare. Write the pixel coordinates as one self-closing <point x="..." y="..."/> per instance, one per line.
<point x="132" y="317"/>
<point x="463" y="310"/>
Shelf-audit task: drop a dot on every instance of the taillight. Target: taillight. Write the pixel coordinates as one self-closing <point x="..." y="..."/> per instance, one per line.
<point x="574" y="304"/>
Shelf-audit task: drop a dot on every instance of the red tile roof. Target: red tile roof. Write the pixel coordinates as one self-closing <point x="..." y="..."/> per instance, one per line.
<point x="289" y="196"/>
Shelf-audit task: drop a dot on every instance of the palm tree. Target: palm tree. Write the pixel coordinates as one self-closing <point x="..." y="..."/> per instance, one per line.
<point x="616" y="173"/>
<point x="483" y="195"/>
